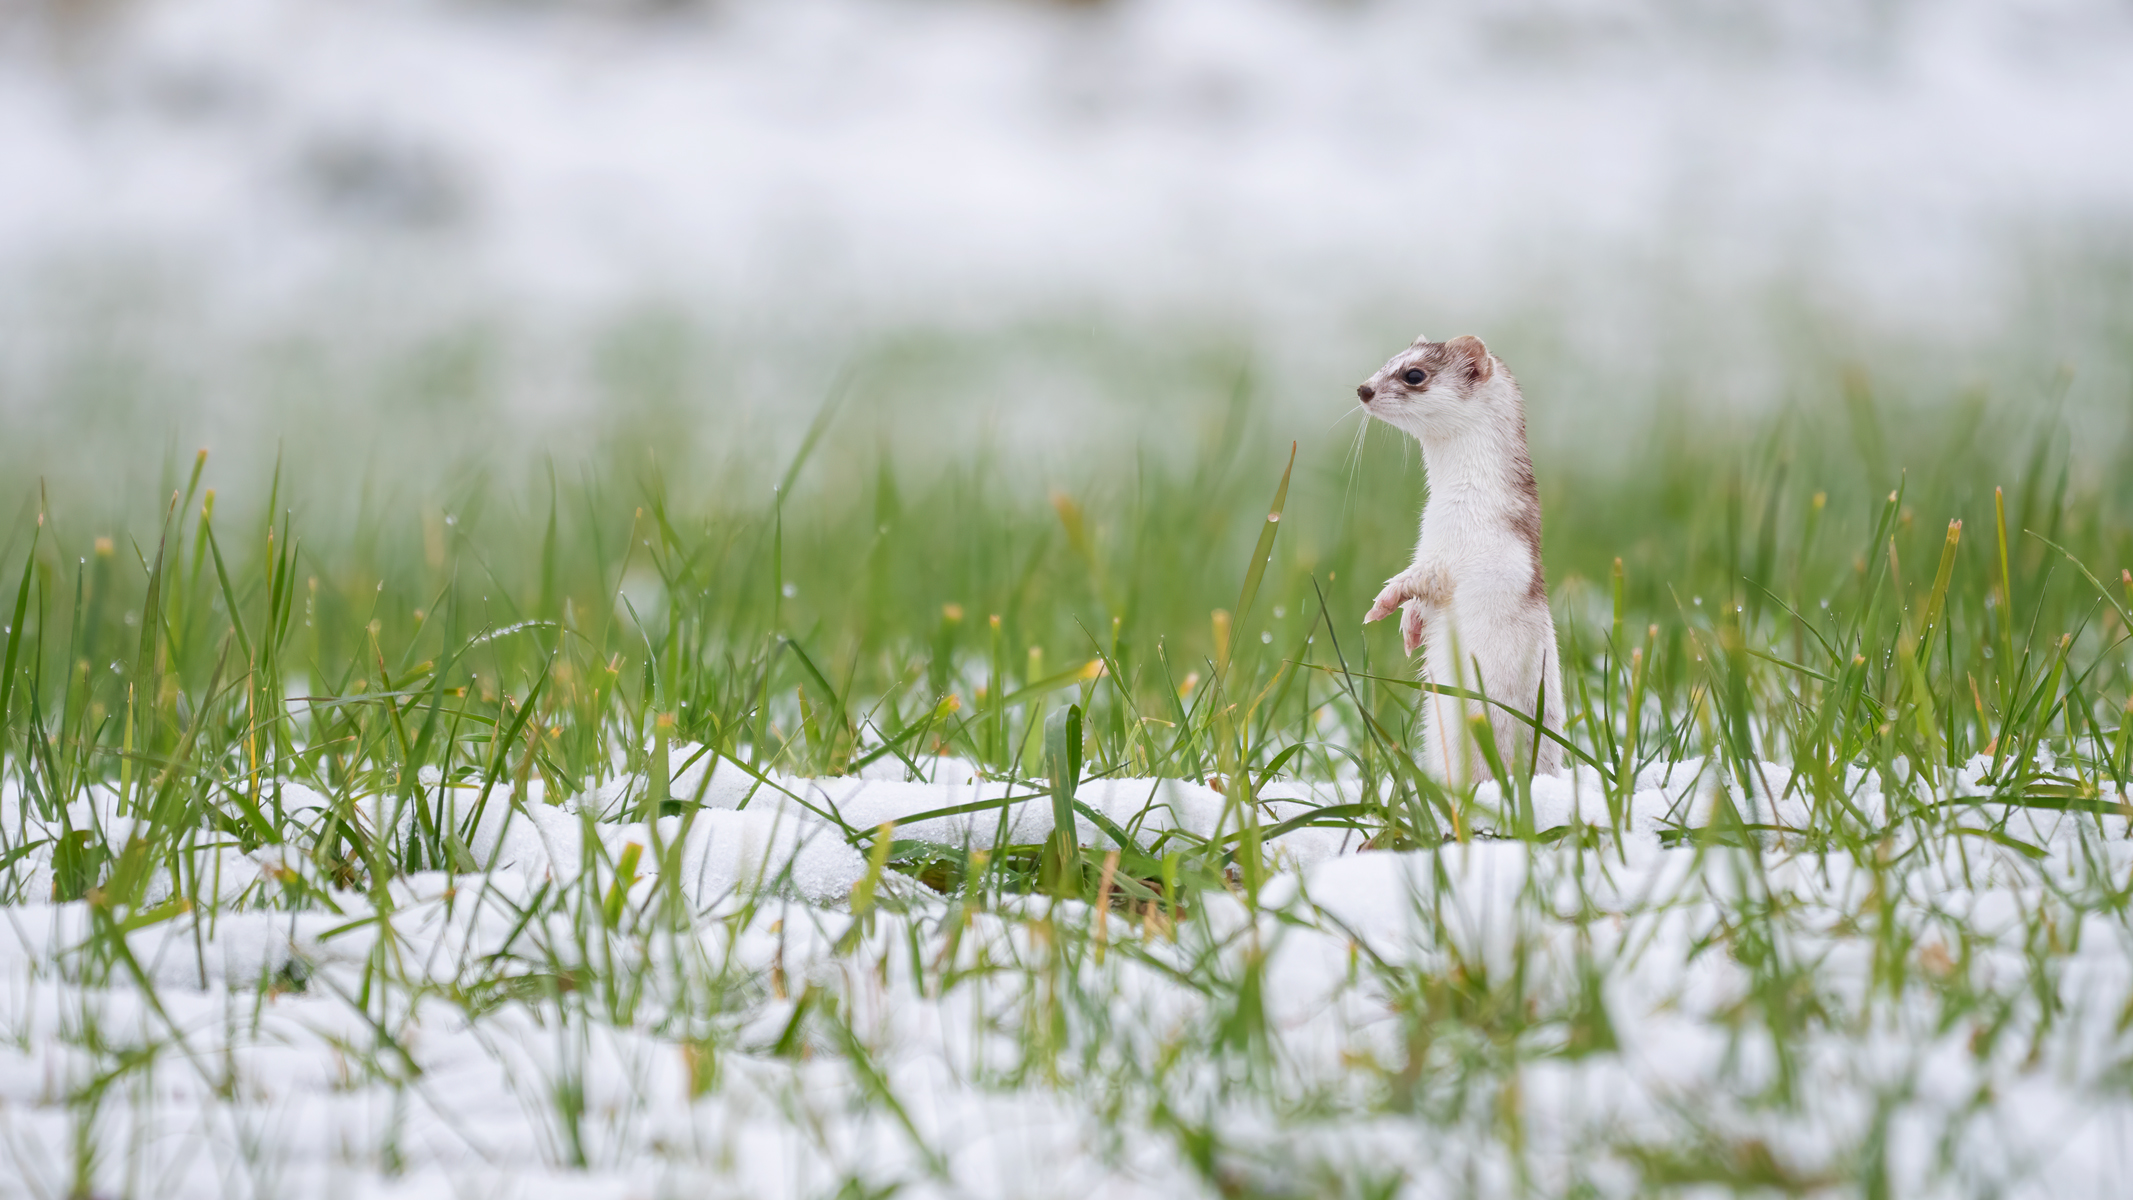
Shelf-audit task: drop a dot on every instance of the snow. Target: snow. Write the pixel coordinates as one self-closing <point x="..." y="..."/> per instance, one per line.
<point x="491" y="1031"/>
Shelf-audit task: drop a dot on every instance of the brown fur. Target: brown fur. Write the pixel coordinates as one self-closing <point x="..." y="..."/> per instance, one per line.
<point x="1471" y="356"/>
<point x="1526" y="523"/>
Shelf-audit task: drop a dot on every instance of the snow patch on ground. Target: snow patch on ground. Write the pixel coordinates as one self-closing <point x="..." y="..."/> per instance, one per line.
<point x="504" y="1029"/>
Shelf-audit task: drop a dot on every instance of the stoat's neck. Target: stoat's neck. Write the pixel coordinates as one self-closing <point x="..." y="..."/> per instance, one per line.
<point x="1479" y="464"/>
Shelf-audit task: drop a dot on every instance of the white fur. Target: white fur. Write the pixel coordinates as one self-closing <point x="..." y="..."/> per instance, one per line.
<point x="1470" y="594"/>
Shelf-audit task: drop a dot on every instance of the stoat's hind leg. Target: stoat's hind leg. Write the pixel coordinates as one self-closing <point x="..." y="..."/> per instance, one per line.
<point x="1449" y="754"/>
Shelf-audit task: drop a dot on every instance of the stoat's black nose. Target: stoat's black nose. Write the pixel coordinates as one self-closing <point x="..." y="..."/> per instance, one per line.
<point x="1364" y="390"/>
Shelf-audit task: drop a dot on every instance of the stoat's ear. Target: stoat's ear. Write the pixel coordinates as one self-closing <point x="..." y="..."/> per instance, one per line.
<point x="1468" y="350"/>
<point x="1421" y="339"/>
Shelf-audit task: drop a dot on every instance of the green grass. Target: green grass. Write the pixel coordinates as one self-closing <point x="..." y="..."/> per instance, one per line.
<point x="1787" y="588"/>
<point x="1747" y="569"/>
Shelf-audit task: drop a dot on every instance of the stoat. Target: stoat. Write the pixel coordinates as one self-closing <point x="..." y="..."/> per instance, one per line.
<point x="1474" y="594"/>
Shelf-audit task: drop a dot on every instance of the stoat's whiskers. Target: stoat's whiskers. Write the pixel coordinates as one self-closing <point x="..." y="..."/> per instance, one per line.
<point x="1355" y="452"/>
<point x="1358" y="410"/>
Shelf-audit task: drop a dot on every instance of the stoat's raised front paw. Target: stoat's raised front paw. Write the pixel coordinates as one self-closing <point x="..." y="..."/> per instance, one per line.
<point x="1397" y="591"/>
<point x="1406" y="589"/>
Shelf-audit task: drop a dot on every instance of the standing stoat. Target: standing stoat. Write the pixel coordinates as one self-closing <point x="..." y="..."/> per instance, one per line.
<point x="1475" y="591"/>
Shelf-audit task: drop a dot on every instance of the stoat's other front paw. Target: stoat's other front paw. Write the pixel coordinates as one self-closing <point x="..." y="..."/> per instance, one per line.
<point x="1411" y="625"/>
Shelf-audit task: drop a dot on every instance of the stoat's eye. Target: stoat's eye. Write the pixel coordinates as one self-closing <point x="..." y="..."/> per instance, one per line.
<point x="1414" y="377"/>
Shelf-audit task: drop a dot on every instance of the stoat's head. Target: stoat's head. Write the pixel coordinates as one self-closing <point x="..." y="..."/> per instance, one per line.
<point x="1442" y="389"/>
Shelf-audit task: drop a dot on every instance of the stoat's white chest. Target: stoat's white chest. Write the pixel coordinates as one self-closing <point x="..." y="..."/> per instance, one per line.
<point x="1470" y="531"/>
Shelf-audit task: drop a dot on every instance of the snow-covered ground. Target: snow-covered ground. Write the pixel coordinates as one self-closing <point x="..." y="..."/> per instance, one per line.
<point x="1942" y="1011"/>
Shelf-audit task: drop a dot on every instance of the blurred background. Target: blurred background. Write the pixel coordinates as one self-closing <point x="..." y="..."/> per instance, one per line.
<point x="394" y="238"/>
